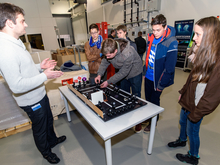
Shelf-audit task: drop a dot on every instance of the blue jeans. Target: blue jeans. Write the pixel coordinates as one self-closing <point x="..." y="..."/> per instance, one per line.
<point x="134" y="83"/>
<point x="191" y="130"/>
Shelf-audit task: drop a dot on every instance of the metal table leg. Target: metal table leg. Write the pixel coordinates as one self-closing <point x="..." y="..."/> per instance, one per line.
<point x="108" y="152"/>
<point x="67" y="109"/>
<point x="152" y="132"/>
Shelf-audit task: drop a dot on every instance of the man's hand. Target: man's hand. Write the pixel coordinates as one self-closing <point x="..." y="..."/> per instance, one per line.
<point x="52" y="74"/>
<point x="47" y="63"/>
<point x="104" y="84"/>
<point x="97" y="79"/>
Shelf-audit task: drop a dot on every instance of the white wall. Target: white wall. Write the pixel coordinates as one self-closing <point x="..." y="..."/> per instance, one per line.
<point x="172" y="9"/>
<point x="38" y="15"/>
<point x="39" y="19"/>
<point x="79" y="29"/>
<point x="93" y="5"/>
<point x="78" y="18"/>
<point x="60" y="7"/>
<point x="189" y="9"/>
<point x="114" y="13"/>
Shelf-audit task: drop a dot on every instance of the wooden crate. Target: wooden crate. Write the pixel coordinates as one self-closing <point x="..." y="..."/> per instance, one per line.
<point x="15" y="130"/>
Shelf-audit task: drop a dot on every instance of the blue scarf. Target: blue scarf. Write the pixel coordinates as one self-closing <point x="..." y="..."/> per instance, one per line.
<point x="98" y="43"/>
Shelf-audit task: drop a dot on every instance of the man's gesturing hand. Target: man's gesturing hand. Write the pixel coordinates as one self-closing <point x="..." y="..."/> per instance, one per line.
<point x="52" y="74"/>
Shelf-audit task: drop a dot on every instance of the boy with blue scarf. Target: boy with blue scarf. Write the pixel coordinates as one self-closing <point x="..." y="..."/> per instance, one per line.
<point x="93" y="50"/>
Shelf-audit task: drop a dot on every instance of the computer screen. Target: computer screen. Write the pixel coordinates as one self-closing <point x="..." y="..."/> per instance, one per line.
<point x="184" y="29"/>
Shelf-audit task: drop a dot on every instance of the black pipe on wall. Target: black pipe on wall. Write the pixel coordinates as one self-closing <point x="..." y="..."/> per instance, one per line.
<point x="124" y="11"/>
<point x="135" y="1"/>
<point x="131" y="11"/>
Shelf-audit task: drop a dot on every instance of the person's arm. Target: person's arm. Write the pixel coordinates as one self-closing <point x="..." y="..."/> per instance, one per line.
<point x="39" y="68"/>
<point x="123" y="72"/>
<point x="134" y="45"/>
<point x="210" y="99"/>
<point x="170" y="64"/>
<point x="89" y="55"/>
<point x="17" y="82"/>
<point x="46" y="63"/>
<point x="136" y="41"/>
<point x="102" y="67"/>
<point x="185" y="86"/>
<point x="10" y="69"/>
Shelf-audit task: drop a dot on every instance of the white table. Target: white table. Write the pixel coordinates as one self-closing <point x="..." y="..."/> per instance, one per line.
<point x="109" y="129"/>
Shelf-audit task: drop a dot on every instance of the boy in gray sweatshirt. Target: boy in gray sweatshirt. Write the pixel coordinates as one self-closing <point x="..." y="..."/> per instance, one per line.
<point x="123" y="57"/>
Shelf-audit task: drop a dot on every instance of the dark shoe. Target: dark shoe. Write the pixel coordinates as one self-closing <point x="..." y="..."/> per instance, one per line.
<point x="138" y="128"/>
<point x="187" y="159"/>
<point x="177" y="143"/>
<point x="59" y="140"/>
<point x="52" y="158"/>
<point x="147" y="129"/>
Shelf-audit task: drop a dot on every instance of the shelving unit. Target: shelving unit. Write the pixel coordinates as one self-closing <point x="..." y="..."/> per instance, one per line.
<point x="187" y="63"/>
<point x="181" y="55"/>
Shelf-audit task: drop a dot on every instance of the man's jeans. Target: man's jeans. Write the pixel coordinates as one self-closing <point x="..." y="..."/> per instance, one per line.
<point x="191" y="130"/>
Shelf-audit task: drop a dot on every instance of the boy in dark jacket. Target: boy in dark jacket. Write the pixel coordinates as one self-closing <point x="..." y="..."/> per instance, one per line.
<point x="160" y="62"/>
<point x="122" y="33"/>
<point x="141" y="44"/>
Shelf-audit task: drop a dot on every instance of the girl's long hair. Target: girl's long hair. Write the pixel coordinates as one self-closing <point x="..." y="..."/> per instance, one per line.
<point x="208" y="51"/>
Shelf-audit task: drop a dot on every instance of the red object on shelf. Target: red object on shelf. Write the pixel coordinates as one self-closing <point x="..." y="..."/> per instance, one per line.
<point x="100" y="28"/>
<point x="104" y="30"/>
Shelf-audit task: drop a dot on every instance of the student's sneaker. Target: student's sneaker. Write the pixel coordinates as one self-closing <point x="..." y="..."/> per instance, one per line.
<point x="52" y="158"/>
<point x="59" y="140"/>
<point x="187" y="158"/>
<point x="147" y="129"/>
<point x="177" y="143"/>
<point x="138" y="128"/>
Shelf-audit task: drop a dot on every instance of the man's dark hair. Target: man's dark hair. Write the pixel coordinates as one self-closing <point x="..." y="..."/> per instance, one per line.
<point x="139" y="33"/>
<point x="122" y="27"/>
<point x="109" y="46"/>
<point x="93" y="26"/>
<point x="159" y="20"/>
<point x="112" y="31"/>
<point x="9" y="11"/>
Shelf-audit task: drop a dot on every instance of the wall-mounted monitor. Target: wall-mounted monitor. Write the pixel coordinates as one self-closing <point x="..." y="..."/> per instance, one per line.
<point x="184" y="29"/>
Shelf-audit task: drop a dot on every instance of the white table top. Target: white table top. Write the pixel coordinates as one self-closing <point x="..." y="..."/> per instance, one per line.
<point x="114" y="126"/>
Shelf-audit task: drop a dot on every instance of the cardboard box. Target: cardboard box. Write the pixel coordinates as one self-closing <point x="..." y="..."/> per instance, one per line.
<point x="62" y="59"/>
<point x="38" y="55"/>
<point x="54" y="56"/>
<point x="52" y="85"/>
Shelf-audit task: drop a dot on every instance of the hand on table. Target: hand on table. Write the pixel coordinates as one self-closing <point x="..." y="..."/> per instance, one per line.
<point x="104" y="84"/>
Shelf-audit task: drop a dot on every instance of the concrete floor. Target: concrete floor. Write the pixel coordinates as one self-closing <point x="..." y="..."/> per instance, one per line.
<point x="84" y="146"/>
